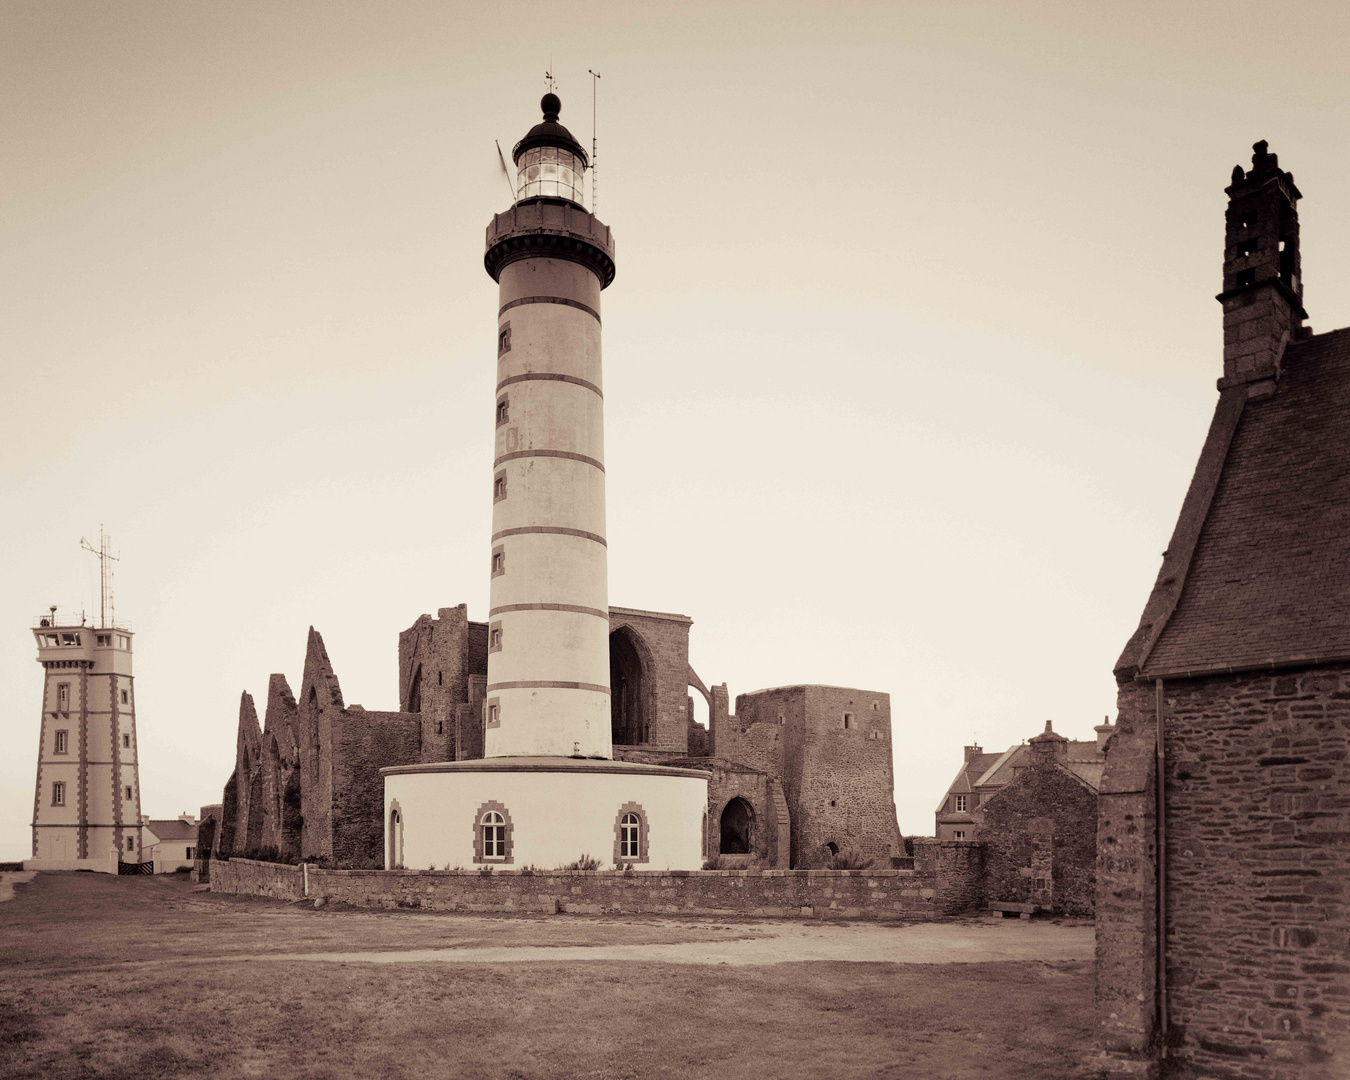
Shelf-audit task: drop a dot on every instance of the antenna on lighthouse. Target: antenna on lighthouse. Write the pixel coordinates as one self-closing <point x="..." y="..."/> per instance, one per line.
<point x="506" y="173"/>
<point x="105" y="577"/>
<point x="595" y="174"/>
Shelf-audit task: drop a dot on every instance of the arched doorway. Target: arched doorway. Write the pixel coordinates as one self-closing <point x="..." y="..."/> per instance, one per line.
<point x="736" y="819"/>
<point x="628" y="690"/>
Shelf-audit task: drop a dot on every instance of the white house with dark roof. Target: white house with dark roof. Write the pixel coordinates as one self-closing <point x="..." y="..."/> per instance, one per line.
<point x="171" y="843"/>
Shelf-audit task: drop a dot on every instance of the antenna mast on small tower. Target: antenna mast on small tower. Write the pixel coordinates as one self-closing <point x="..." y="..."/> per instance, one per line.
<point x="105" y="577"/>
<point x="595" y="174"/>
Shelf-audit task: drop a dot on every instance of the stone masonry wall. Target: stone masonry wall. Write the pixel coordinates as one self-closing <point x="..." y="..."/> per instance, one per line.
<point x="1010" y="830"/>
<point x="840" y="894"/>
<point x="365" y="743"/>
<point x="1258" y="862"/>
<point x="845" y="787"/>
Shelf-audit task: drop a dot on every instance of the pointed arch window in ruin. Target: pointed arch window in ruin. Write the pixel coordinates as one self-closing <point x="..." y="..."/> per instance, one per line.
<point x="628" y="690"/>
<point x="736" y="818"/>
<point x="415" y="691"/>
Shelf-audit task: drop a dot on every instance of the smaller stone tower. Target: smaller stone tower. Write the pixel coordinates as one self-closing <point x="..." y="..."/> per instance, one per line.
<point x="87" y="804"/>
<point x="1262" y="294"/>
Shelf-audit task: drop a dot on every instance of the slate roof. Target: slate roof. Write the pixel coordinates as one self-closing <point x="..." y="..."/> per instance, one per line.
<point x="1269" y="580"/>
<point x="984" y="771"/>
<point x="173" y="830"/>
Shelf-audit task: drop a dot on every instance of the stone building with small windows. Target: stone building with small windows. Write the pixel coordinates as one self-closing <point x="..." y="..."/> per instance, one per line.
<point x="960" y="812"/>
<point x="1033" y="811"/>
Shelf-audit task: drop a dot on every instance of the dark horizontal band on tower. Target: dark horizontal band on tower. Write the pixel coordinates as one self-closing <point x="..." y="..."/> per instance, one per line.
<point x="556" y="530"/>
<point x="547" y="684"/>
<point x="550" y="300"/>
<point x="577" y="608"/>
<point x="548" y="453"/>
<point x="548" y="376"/>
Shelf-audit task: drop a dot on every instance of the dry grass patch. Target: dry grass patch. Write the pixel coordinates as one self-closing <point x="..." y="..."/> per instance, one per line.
<point x="223" y="1016"/>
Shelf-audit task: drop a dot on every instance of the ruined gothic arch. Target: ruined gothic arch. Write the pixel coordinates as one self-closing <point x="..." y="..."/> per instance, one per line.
<point x="737" y="827"/>
<point x="697" y="684"/>
<point x="632" y="686"/>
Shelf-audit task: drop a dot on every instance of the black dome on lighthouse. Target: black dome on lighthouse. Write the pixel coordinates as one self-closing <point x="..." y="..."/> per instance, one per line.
<point x="549" y="133"/>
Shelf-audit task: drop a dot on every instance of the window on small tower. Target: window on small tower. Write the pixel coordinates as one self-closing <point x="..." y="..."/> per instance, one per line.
<point x="61" y="742"/>
<point x="59" y="793"/>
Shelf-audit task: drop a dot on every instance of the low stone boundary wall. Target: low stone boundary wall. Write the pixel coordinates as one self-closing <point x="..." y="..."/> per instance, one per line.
<point x="250" y="878"/>
<point x="841" y="894"/>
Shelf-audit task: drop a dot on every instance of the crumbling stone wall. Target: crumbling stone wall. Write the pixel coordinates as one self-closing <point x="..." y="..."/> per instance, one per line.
<point x="437" y="661"/>
<point x="1044" y="801"/>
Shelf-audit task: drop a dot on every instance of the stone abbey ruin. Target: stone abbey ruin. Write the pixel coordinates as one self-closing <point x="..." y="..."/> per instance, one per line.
<point x="798" y="774"/>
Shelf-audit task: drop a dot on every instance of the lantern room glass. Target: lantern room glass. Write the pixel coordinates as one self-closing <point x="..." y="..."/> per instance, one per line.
<point x="552" y="172"/>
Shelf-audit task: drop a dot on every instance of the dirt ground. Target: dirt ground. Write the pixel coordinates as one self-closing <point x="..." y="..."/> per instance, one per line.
<point x="144" y="977"/>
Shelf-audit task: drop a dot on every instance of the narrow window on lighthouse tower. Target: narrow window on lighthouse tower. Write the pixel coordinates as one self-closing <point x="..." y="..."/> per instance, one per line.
<point x="61" y="737"/>
<point x="59" y="793"/>
<point x="503" y="410"/>
<point x="499" y="487"/>
<point x="495" y="637"/>
<point x="498" y="561"/>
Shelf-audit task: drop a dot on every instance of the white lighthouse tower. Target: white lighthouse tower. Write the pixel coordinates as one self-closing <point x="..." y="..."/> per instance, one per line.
<point x="547" y="790"/>
<point x="87" y="804"/>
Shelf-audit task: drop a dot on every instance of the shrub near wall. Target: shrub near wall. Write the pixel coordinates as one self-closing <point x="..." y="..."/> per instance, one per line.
<point x="843" y="894"/>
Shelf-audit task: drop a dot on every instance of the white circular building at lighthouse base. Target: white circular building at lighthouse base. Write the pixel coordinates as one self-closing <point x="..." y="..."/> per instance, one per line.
<point x="544" y="812"/>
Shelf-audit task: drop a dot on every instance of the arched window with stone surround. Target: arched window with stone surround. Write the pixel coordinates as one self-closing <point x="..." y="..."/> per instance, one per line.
<point x="492" y="840"/>
<point x="630" y="834"/>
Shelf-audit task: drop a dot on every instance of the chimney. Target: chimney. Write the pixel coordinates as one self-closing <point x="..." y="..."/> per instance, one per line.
<point x="1262" y="294"/>
<point x="1104" y="732"/>
<point x="972" y="752"/>
<point x="1047" y="746"/>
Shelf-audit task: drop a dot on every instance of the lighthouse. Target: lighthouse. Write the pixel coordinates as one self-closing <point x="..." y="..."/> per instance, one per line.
<point x="547" y="791"/>
<point x="548" y="629"/>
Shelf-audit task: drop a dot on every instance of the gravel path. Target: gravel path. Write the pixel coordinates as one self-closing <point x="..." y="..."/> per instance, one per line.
<point x="928" y="943"/>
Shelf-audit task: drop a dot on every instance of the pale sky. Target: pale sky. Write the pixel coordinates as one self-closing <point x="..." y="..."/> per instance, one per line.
<point x="908" y="360"/>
